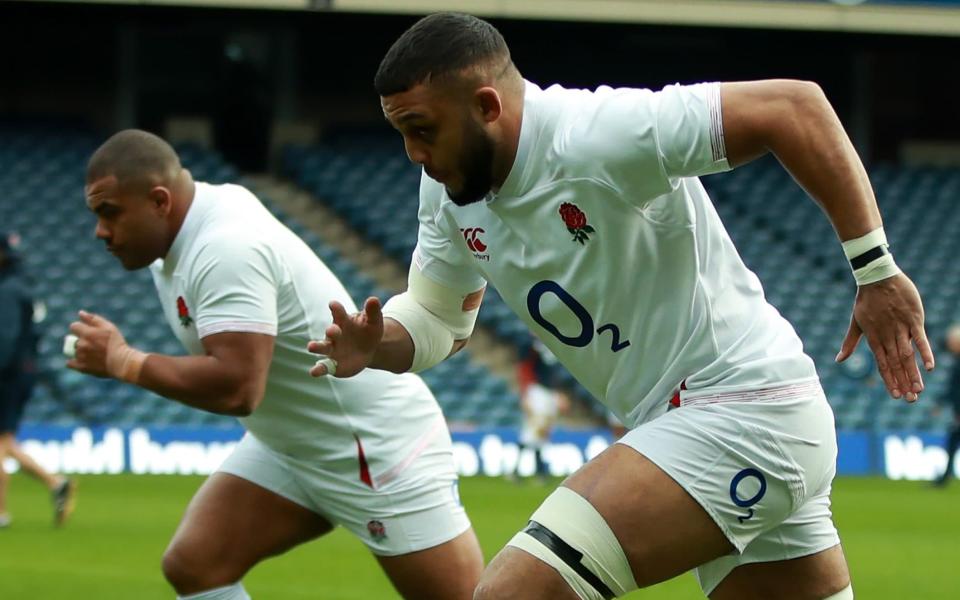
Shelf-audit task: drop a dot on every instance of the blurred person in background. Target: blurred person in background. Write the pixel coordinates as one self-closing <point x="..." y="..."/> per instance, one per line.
<point x="951" y="397"/>
<point x="244" y="294"/>
<point x="18" y="373"/>
<point x="540" y="404"/>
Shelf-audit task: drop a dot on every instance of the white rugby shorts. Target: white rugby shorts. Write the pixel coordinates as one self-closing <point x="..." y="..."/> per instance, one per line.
<point x="759" y="462"/>
<point x="405" y="510"/>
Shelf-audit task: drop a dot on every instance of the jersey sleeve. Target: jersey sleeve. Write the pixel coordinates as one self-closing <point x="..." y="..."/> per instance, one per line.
<point x="233" y="285"/>
<point x="442" y="258"/>
<point x="645" y="142"/>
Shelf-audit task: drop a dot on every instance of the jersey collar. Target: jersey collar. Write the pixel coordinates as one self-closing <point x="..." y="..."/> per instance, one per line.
<point x="513" y="185"/>
<point x="189" y="227"/>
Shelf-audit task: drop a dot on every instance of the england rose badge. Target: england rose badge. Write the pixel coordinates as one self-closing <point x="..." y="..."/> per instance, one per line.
<point x="576" y="222"/>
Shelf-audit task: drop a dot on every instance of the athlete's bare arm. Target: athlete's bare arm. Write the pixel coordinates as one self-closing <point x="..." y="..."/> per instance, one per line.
<point x="794" y="121"/>
<point x="229" y="380"/>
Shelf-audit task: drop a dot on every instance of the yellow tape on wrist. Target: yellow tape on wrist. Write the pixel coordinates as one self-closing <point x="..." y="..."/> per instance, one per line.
<point x="126" y="364"/>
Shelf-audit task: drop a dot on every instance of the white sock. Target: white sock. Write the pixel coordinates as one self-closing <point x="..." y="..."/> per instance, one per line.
<point x="844" y="594"/>
<point x="228" y="592"/>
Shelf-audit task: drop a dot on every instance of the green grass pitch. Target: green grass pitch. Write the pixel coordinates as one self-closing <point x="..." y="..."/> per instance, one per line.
<point x="902" y="540"/>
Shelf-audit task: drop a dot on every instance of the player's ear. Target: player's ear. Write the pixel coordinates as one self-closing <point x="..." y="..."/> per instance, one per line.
<point x="488" y="101"/>
<point x="161" y="199"/>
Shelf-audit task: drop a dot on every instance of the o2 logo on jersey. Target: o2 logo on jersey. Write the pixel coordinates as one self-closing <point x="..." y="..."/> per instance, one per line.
<point x="471" y="235"/>
<point x="547" y="286"/>
<point x="747" y="503"/>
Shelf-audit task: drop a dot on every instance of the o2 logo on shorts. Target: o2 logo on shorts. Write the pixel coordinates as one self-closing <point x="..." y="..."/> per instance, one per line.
<point x="747" y="502"/>
<point x="586" y="321"/>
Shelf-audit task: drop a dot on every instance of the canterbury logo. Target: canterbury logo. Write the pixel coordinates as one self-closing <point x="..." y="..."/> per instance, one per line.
<point x="471" y="235"/>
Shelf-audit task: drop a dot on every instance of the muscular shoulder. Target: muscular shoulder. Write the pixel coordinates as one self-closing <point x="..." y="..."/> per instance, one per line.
<point x="232" y="250"/>
<point x="603" y="125"/>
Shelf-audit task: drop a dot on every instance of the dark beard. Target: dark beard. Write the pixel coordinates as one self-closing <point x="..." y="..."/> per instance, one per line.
<point x="476" y="165"/>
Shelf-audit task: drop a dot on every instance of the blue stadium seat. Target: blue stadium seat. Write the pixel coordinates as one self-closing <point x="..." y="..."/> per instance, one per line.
<point x="366" y="179"/>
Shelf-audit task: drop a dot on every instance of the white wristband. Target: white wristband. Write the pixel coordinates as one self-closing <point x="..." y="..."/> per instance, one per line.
<point x="857" y="246"/>
<point x="881" y="268"/>
<point x="870" y="258"/>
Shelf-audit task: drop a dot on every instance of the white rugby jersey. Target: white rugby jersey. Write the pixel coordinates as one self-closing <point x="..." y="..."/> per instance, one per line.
<point x="234" y="267"/>
<point x="603" y="240"/>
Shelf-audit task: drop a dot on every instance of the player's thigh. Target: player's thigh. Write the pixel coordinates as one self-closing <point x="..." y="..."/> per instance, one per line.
<point x="233" y="523"/>
<point x="449" y="571"/>
<point x="799" y="558"/>
<point x="252" y="508"/>
<point x="812" y="577"/>
<point x="662" y="530"/>
<point x="687" y="489"/>
<point x="414" y="524"/>
<point x="618" y="523"/>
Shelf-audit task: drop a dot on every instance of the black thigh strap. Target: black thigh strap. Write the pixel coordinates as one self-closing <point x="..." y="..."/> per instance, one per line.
<point x="567" y="554"/>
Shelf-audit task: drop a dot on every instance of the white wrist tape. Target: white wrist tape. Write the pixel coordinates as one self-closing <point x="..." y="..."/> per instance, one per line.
<point x="857" y="246"/>
<point x="870" y="258"/>
<point x="433" y="315"/>
<point x="877" y="270"/>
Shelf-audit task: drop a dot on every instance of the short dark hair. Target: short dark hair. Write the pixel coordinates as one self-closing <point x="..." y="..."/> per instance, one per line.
<point x="133" y="155"/>
<point x="437" y="46"/>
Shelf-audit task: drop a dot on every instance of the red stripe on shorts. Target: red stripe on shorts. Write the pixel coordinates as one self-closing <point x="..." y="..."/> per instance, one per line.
<point x="675" y="401"/>
<point x="364" y="469"/>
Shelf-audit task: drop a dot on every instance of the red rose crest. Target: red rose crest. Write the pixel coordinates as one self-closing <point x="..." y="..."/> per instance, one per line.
<point x="376" y="529"/>
<point x="576" y="222"/>
<point x="183" y="312"/>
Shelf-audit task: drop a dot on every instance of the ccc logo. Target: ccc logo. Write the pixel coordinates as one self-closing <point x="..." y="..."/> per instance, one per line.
<point x="471" y="235"/>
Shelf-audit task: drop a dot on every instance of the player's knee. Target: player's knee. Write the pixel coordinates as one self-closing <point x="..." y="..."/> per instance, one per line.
<point x="188" y="572"/>
<point x="507" y="576"/>
<point x="179" y="570"/>
<point x="497" y="587"/>
<point x="515" y="574"/>
<point x="486" y="590"/>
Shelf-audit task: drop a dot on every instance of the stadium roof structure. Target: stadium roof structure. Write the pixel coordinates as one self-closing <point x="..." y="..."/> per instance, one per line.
<point x="914" y="17"/>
